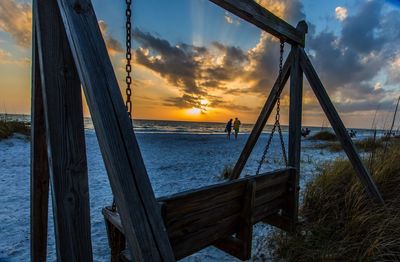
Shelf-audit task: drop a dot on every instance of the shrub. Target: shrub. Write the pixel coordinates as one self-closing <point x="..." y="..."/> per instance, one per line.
<point x="8" y="128"/>
<point x="324" y="135"/>
<point x="338" y="222"/>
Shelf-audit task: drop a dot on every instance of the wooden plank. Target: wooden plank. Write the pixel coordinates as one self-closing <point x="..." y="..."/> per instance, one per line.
<point x="196" y="241"/>
<point x="294" y="145"/>
<point x="141" y="218"/>
<point x="262" y="118"/>
<point x="39" y="165"/>
<point x="339" y="127"/>
<point x="245" y="233"/>
<point x="116" y="238"/>
<point x="193" y="218"/>
<point x="65" y="136"/>
<point x="257" y="15"/>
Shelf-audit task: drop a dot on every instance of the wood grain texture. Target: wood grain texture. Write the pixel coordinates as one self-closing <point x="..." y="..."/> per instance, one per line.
<point x="339" y="127"/>
<point x="65" y="136"/>
<point x="257" y="15"/>
<point x="294" y="145"/>
<point x="199" y="218"/>
<point x="262" y="118"/>
<point x="39" y="165"/>
<point x="146" y="235"/>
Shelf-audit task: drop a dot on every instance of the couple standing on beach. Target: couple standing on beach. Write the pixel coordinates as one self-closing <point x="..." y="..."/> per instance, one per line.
<point x="236" y="125"/>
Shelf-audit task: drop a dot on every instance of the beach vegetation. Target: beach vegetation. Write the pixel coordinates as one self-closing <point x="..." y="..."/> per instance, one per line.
<point x="324" y="135"/>
<point x="8" y="128"/>
<point x="339" y="222"/>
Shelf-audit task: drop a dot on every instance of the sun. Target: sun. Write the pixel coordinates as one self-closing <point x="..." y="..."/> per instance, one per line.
<point x="194" y="111"/>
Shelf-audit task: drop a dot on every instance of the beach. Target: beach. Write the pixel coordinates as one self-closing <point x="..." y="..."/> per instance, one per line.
<point x="178" y="157"/>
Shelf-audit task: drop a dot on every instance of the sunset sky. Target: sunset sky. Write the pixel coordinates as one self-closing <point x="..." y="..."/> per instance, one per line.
<point x="193" y="61"/>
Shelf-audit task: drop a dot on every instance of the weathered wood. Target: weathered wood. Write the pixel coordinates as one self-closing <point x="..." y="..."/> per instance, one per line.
<point x="294" y="145"/>
<point x="339" y="127"/>
<point x="245" y="233"/>
<point x="65" y="136"/>
<point x="116" y="238"/>
<point x="257" y="15"/>
<point x="202" y="217"/>
<point x="141" y="219"/>
<point x="39" y="165"/>
<point x="262" y="118"/>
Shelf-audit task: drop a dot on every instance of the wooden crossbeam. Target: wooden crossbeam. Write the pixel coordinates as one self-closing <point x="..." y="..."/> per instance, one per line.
<point x="65" y="136"/>
<point x="39" y="165"/>
<point x="339" y="127"/>
<point x="262" y="118"/>
<point x="255" y="14"/>
<point x="146" y="235"/>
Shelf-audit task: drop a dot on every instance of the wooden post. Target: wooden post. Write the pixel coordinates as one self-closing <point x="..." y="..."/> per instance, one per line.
<point x="245" y="233"/>
<point x="144" y="229"/>
<point x="240" y="246"/>
<point x="262" y="118"/>
<point x="339" y="127"/>
<point x="39" y="165"/>
<point x="295" y="111"/>
<point x="61" y="91"/>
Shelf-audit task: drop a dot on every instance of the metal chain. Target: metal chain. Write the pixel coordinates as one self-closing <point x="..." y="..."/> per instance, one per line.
<point x="128" y="67"/>
<point x="277" y="118"/>
<point x="278" y="104"/>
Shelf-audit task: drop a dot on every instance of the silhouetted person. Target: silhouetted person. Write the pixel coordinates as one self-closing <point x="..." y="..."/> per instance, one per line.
<point x="305" y="132"/>
<point x="236" y="126"/>
<point x="228" y="128"/>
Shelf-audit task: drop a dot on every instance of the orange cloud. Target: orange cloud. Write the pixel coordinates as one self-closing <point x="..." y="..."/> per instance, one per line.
<point x="16" y="19"/>
<point x="114" y="47"/>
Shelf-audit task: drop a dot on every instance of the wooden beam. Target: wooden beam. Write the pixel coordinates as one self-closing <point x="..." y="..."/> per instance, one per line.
<point x="61" y="91"/>
<point x="339" y="127"/>
<point x="294" y="145"/>
<point x="255" y="14"/>
<point x="39" y="165"/>
<point x="146" y="235"/>
<point x="262" y="118"/>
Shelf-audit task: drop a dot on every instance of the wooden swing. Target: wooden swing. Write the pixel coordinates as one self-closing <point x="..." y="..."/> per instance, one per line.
<point x="68" y="51"/>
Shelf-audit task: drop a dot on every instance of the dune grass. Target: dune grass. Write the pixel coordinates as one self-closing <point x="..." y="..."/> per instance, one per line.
<point x="366" y="145"/>
<point x="227" y="173"/>
<point x="324" y="135"/>
<point x="8" y="128"/>
<point x="338" y="222"/>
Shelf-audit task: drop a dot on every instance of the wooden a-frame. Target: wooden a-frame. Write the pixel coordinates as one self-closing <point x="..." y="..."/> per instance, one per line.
<point x="68" y="51"/>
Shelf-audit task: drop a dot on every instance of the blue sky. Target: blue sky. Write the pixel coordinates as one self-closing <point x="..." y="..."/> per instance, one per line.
<point x="195" y="61"/>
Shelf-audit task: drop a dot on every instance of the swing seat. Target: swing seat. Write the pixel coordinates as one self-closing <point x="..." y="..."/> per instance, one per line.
<point x="221" y="215"/>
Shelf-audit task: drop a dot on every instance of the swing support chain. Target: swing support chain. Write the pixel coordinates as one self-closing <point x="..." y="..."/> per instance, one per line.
<point x="277" y="119"/>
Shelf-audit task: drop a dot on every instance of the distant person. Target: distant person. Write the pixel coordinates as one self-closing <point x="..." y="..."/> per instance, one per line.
<point x="236" y="126"/>
<point x="305" y="132"/>
<point x="228" y="128"/>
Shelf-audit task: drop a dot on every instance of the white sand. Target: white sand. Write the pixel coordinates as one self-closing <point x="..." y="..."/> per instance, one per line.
<point x="175" y="162"/>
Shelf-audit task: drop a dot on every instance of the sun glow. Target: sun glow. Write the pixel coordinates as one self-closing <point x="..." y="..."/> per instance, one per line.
<point x="194" y="111"/>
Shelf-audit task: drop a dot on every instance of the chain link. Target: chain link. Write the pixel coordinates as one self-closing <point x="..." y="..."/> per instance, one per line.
<point x="128" y="67"/>
<point x="277" y="118"/>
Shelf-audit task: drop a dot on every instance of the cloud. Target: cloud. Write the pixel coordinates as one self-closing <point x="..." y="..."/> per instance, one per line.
<point x="231" y="20"/>
<point x="7" y="59"/>
<point x="16" y="19"/>
<point x="350" y="63"/>
<point x="341" y="13"/>
<point x="113" y="45"/>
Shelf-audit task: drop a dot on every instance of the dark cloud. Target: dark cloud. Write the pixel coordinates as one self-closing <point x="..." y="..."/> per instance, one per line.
<point x="350" y="63"/>
<point x="113" y="45"/>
